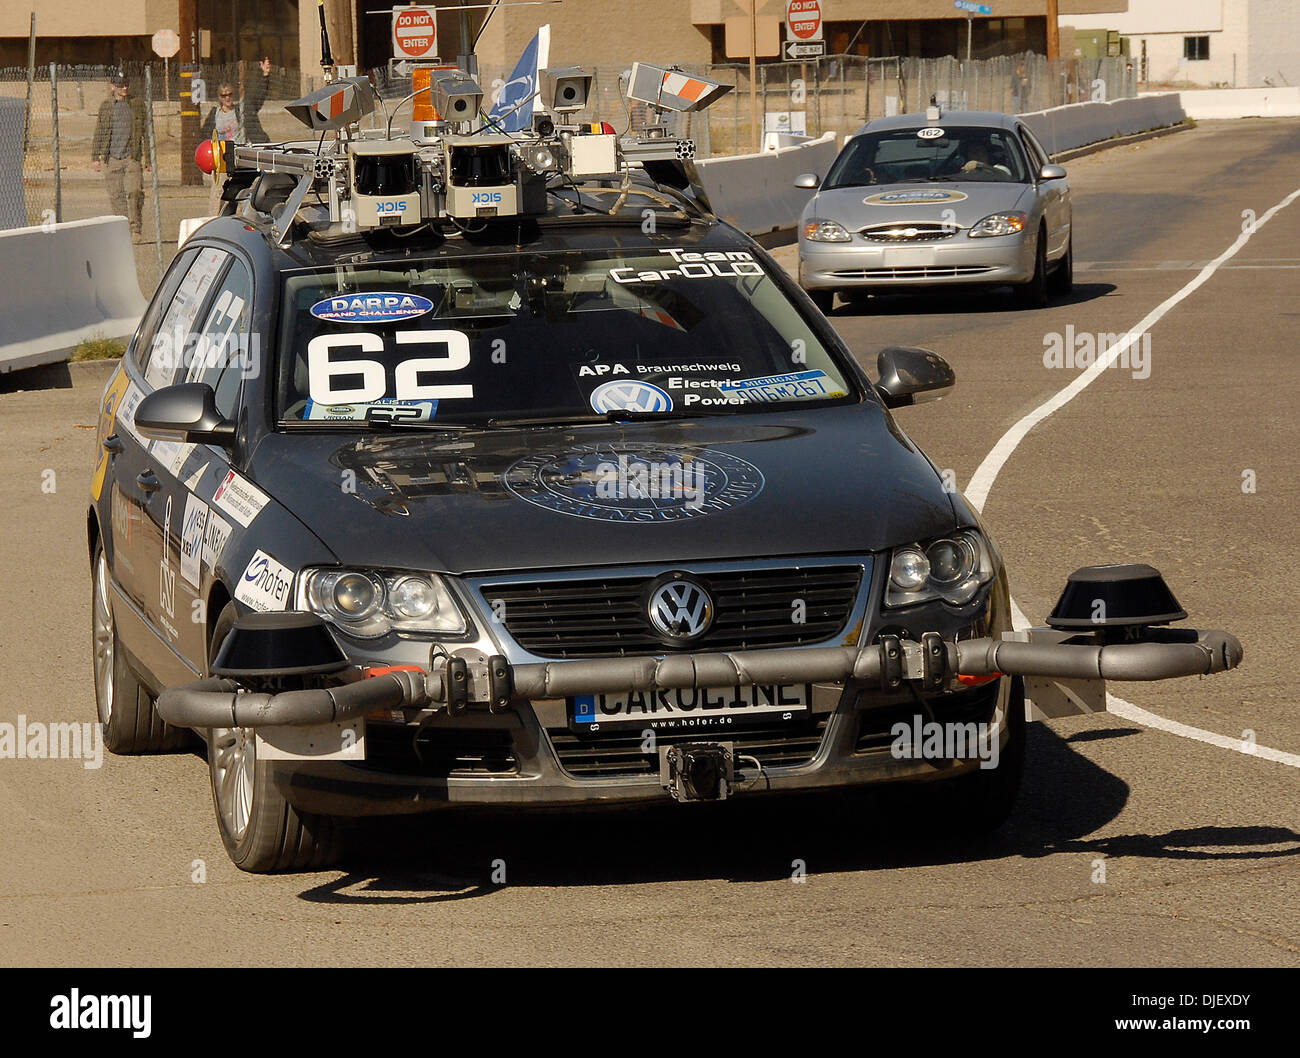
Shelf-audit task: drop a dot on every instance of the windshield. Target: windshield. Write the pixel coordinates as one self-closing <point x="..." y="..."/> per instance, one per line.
<point x="934" y="153"/>
<point x="569" y="335"/>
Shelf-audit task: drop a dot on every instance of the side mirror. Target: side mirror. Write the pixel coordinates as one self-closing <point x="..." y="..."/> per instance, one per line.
<point x="187" y="412"/>
<point x="807" y="181"/>
<point x="1051" y="172"/>
<point x="910" y="376"/>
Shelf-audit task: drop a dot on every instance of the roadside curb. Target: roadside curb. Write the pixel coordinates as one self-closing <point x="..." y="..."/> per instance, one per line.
<point x="1123" y="141"/>
<point x="86" y="374"/>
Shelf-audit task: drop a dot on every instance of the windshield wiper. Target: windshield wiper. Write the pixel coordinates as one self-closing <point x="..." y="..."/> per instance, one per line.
<point x="616" y="416"/>
<point x="379" y="424"/>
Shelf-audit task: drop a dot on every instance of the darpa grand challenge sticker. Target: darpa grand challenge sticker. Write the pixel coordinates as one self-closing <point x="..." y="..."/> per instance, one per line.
<point x="374" y="306"/>
<point x="640" y="484"/>
<point x="919" y="197"/>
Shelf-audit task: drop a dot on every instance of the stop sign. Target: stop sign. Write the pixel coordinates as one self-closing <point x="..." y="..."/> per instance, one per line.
<point x="414" y="33"/>
<point x="804" y="17"/>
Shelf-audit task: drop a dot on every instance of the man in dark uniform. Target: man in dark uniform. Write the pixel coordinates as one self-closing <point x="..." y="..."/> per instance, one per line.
<point x="117" y="148"/>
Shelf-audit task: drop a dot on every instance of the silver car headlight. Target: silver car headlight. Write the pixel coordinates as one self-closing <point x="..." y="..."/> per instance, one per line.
<point x="1000" y="224"/>
<point x="953" y="568"/>
<point x="826" y="231"/>
<point x="368" y="604"/>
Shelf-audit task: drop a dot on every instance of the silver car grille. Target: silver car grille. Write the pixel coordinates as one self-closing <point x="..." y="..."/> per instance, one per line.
<point x="914" y="272"/>
<point x="907" y="233"/>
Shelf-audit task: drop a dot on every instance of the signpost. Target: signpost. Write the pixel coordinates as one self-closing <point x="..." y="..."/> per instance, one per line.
<point x="972" y="9"/>
<point x="415" y="33"/>
<point x="803" y="24"/>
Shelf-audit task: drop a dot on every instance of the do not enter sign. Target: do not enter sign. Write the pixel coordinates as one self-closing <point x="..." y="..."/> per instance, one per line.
<point x="415" y="33"/>
<point x="804" y="19"/>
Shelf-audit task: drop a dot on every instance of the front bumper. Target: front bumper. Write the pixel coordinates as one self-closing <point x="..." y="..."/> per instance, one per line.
<point x="862" y="264"/>
<point x="526" y="704"/>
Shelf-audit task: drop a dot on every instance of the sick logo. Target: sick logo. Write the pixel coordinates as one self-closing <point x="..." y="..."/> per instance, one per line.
<point x="486" y="198"/>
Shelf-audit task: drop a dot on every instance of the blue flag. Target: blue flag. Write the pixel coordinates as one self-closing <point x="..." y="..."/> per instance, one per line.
<point x="522" y="84"/>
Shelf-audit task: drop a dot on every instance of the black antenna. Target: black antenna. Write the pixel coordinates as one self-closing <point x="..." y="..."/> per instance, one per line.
<point x="326" y="59"/>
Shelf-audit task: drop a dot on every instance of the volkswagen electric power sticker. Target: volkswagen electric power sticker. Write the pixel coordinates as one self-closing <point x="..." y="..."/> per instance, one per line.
<point x="626" y="395"/>
<point x="913" y="198"/>
<point x="373" y="306"/>
<point x="633" y="483"/>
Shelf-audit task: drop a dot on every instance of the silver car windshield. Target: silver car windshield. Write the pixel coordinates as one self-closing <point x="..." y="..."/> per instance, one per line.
<point x="479" y="340"/>
<point x="936" y="153"/>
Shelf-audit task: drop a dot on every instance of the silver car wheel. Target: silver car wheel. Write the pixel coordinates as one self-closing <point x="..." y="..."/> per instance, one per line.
<point x="235" y="759"/>
<point x="104" y="636"/>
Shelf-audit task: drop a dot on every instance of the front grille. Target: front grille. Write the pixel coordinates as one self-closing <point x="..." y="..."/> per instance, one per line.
<point x="915" y="272"/>
<point x="618" y="755"/>
<point x="875" y="725"/>
<point x="906" y="233"/>
<point x="607" y="617"/>
<point x="444" y="752"/>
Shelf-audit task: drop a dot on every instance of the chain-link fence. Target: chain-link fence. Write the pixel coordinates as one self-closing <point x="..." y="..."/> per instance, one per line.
<point x="59" y="110"/>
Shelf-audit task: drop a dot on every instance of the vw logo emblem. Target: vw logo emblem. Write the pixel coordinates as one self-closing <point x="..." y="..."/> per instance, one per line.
<point x="630" y="396"/>
<point x="681" y="609"/>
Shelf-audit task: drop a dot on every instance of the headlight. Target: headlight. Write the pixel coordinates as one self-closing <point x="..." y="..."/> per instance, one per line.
<point x="999" y="224"/>
<point x="366" y="604"/>
<point x="825" y="231"/>
<point x="953" y="568"/>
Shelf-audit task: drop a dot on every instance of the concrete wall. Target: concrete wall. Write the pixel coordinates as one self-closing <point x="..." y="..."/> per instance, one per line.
<point x="756" y="192"/>
<point x="1241" y="102"/>
<point x="1065" y="128"/>
<point x="59" y="286"/>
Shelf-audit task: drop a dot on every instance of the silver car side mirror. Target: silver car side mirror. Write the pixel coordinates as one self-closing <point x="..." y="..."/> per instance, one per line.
<point x="1051" y="172"/>
<point x="807" y="181"/>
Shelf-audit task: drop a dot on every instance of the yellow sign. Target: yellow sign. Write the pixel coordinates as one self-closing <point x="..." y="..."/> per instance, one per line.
<point x="107" y="415"/>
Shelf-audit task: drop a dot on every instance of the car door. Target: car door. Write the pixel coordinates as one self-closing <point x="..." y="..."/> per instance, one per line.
<point x="223" y="351"/>
<point x="1054" y="193"/>
<point x="129" y="484"/>
<point x="166" y="605"/>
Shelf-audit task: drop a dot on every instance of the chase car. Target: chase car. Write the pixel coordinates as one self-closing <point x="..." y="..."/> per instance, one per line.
<point x="938" y="199"/>
<point x="583" y="505"/>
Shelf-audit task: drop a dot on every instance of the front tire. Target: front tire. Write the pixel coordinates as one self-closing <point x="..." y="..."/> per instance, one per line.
<point x="262" y="832"/>
<point x="1033" y="295"/>
<point x="130" y="723"/>
<point x="1061" y="282"/>
<point x="981" y="801"/>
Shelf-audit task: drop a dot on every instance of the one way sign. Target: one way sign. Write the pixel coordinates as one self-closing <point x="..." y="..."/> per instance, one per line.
<point x="803" y="49"/>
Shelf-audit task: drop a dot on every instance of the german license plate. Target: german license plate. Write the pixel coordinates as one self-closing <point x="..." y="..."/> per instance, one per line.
<point x="690" y="708"/>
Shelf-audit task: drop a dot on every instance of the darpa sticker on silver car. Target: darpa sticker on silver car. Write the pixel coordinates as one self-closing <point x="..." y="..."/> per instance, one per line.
<point x="265" y="584"/>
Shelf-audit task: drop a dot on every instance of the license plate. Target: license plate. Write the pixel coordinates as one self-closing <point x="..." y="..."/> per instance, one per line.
<point x="691" y="708"/>
<point x="909" y="257"/>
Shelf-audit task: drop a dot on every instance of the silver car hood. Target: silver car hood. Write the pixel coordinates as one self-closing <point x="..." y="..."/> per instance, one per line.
<point x="969" y="200"/>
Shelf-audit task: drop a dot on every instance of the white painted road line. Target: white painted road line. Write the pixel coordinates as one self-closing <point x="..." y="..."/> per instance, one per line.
<point x="977" y="492"/>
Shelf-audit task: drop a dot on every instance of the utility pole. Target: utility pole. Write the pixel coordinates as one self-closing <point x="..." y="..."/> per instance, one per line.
<point x="189" y="70"/>
<point x="1053" y="31"/>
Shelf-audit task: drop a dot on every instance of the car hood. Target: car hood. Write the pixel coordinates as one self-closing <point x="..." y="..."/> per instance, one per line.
<point x="970" y="202"/>
<point x="838" y="480"/>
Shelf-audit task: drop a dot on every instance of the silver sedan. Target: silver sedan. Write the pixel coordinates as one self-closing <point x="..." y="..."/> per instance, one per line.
<point x="923" y="200"/>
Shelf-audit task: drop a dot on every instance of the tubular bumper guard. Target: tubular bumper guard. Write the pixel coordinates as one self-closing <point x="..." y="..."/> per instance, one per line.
<point x="454" y="682"/>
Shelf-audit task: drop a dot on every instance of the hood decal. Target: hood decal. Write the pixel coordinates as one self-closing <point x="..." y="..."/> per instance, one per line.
<point x="634" y="483"/>
<point x="914" y="198"/>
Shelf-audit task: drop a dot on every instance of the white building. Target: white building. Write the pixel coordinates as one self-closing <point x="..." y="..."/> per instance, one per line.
<point x="1224" y="43"/>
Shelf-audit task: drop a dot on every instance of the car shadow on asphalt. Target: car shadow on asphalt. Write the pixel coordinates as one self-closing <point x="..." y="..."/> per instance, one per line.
<point x="459" y="855"/>
<point x="954" y="302"/>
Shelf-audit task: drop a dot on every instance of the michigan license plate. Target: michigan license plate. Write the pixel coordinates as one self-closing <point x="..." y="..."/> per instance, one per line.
<point x="691" y="708"/>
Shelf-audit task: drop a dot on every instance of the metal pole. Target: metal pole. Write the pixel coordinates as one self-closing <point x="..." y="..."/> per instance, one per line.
<point x="970" y="21"/>
<point x="31" y="76"/>
<point x="58" y="177"/>
<point x="753" y="74"/>
<point x="153" y="165"/>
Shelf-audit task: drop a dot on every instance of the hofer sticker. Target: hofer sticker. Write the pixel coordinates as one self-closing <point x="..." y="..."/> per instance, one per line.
<point x="265" y="584"/>
<point x="374" y="306"/>
<point x="240" y="499"/>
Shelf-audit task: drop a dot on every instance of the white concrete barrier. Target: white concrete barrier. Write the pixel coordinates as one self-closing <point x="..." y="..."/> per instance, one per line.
<point x="1209" y="103"/>
<point x="59" y="286"/>
<point x="1080" y="124"/>
<point x="756" y="192"/>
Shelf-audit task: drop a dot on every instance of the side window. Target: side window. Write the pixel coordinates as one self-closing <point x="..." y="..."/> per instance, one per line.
<point x="162" y="299"/>
<point x="1037" y="157"/>
<point x="222" y="348"/>
<point x="172" y="345"/>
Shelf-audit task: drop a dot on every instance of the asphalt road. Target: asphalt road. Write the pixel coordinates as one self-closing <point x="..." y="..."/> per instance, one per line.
<point x="1200" y="844"/>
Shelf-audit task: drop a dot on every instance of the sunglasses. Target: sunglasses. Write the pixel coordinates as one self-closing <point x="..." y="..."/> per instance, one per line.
<point x="227" y="95"/>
